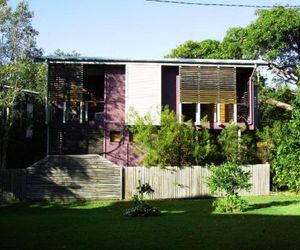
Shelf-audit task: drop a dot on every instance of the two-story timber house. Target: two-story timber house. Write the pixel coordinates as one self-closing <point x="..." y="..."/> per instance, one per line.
<point x="89" y="99"/>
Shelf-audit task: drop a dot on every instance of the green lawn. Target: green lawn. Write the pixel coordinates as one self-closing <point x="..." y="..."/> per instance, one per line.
<point x="272" y="222"/>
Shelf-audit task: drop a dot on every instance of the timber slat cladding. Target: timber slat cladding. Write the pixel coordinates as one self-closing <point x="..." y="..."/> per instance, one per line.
<point x="207" y="84"/>
<point x="60" y="177"/>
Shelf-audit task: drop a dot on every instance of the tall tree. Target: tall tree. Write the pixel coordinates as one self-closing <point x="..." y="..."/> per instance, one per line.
<point x="191" y="49"/>
<point x="17" y="71"/>
<point x="231" y="46"/>
<point x="274" y="36"/>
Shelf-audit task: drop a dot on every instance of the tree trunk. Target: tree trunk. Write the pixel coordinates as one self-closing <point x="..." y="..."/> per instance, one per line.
<point x="279" y="104"/>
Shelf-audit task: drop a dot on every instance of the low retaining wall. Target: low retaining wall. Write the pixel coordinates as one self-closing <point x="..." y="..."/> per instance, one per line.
<point x="100" y="180"/>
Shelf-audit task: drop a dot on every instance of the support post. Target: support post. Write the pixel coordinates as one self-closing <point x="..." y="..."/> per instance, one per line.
<point x="198" y="113"/>
<point x="235" y="113"/>
<point x="219" y="114"/>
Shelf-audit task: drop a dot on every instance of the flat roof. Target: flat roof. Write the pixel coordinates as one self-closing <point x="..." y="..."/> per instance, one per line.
<point x="166" y="61"/>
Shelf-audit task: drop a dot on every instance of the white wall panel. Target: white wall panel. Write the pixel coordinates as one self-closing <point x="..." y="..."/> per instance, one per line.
<point x="143" y="90"/>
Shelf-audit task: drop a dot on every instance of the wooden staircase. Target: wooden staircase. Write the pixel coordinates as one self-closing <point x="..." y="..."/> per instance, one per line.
<point x="67" y="177"/>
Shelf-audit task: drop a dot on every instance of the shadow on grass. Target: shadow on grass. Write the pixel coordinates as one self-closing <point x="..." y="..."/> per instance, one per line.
<point x="184" y="224"/>
<point x="271" y="204"/>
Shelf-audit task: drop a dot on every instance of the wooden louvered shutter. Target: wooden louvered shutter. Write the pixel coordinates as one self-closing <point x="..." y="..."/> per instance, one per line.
<point x="189" y="84"/>
<point x="227" y="85"/>
<point x="207" y="84"/>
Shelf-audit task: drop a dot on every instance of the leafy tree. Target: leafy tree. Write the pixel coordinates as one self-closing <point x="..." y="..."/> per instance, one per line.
<point x="17" y="70"/>
<point x="172" y="143"/>
<point x="232" y="44"/>
<point x="191" y="49"/>
<point x="286" y="155"/>
<point x="229" y="178"/>
<point x="275" y="36"/>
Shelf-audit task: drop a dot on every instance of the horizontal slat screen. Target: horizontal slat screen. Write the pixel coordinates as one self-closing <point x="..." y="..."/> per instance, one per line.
<point x="227" y="86"/>
<point x="65" y="82"/>
<point x="207" y="84"/>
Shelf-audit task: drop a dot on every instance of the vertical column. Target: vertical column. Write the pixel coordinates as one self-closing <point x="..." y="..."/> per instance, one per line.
<point x="64" y="112"/>
<point x="251" y="102"/>
<point x="179" y="112"/>
<point x="235" y="112"/>
<point x="218" y="114"/>
<point x="177" y="96"/>
<point x="198" y="113"/>
<point x="86" y="111"/>
<point x="81" y="112"/>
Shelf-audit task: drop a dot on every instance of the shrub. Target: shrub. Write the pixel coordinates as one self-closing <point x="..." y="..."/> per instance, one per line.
<point x="172" y="143"/>
<point x="231" y="204"/>
<point x="237" y="145"/>
<point x="142" y="208"/>
<point x="229" y="178"/>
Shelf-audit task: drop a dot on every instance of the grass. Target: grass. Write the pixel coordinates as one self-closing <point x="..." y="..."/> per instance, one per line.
<point x="271" y="222"/>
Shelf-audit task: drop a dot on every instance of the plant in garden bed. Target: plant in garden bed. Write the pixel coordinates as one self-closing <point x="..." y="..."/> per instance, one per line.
<point x="229" y="178"/>
<point x="142" y="208"/>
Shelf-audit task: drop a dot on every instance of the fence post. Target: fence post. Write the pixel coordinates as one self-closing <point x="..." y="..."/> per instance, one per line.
<point x="122" y="183"/>
<point x="23" y="184"/>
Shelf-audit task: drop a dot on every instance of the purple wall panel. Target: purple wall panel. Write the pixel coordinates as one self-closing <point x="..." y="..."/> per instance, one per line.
<point x="169" y="74"/>
<point x="120" y="153"/>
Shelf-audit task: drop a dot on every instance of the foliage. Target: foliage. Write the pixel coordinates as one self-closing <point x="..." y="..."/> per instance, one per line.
<point x="18" y="37"/>
<point x="275" y="35"/>
<point x="142" y="208"/>
<point x="172" y="143"/>
<point x="142" y="189"/>
<point x="268" y="114"/>
<point x="231" y="204"/>
<point x="232" y="44"/>
<point x="229" y="178"/>
<point x="238" y="146"/>
<point x="61" y="53"/>
<point x="286" y="155"/>
<point x="17" y="70"/>
<point x="191" y="49"/>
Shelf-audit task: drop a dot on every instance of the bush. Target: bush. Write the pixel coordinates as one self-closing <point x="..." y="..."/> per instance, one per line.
<point x="229" y="178"/>
<point x="172" y="143"/>
<point x="142" y="208"/>
<point x="237" y="145"/>
<point x="231" y="204"/>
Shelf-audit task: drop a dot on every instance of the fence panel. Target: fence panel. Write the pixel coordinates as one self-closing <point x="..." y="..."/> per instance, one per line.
<point x="12" y="184"/>
<point x="190" y="182"/>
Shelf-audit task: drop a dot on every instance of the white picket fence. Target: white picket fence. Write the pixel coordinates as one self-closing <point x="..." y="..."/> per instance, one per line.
<point x="189" y="182"/>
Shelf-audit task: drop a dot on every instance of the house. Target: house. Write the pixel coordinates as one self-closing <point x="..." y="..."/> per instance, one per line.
<point x="89" y="100"/>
